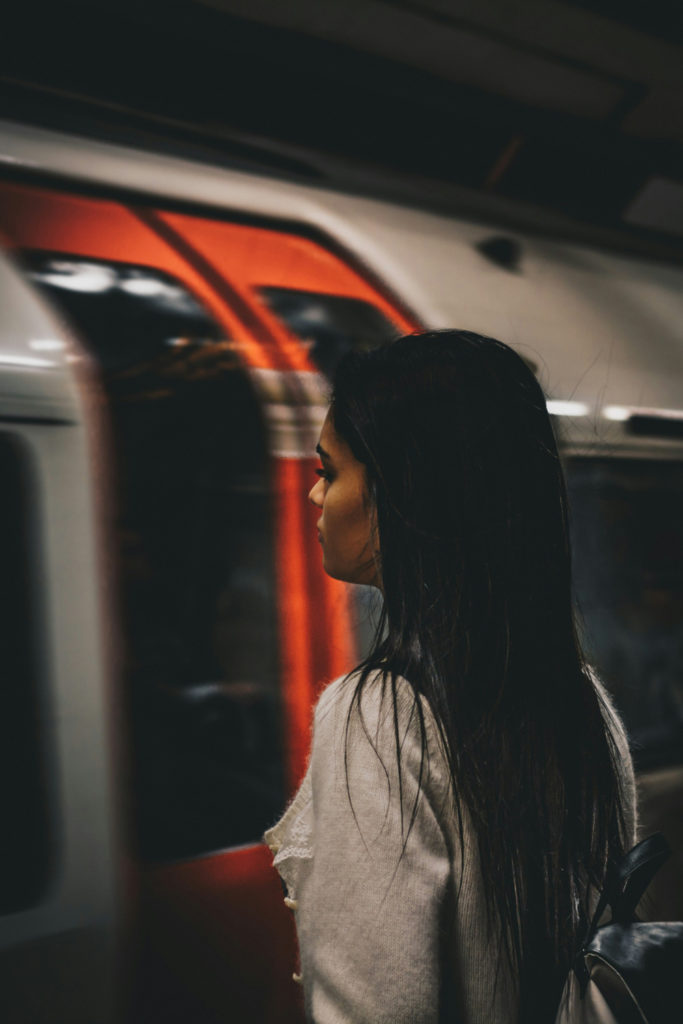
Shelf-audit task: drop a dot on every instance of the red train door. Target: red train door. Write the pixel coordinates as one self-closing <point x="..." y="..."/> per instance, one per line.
<point x="210" y="340"/>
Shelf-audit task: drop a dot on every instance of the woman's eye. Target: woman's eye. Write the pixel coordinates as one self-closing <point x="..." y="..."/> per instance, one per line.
<point x="324" y="474"/>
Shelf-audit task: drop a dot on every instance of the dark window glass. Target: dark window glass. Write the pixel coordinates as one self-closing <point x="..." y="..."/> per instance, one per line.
<point x="330" y="324"/>
<point x="628" y="565"/>
<point x="196" y="560"/>
<point x="25" y="840"/>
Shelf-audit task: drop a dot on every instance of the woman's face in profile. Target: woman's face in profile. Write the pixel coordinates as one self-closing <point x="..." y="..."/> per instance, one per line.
<point x="345" y="526"/>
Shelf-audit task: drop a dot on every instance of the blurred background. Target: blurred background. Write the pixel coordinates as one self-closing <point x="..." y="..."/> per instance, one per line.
<point x="203" y="205"/>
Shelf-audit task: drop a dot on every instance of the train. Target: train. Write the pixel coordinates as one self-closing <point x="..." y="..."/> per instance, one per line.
<point x="168" y="331"/>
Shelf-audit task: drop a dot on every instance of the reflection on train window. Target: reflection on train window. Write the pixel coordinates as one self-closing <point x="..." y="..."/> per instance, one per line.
<point x="26" y="843"/>
<point x="330" y="324"/>
<point x="196" y="560"/>
<point x="627" y="530"/>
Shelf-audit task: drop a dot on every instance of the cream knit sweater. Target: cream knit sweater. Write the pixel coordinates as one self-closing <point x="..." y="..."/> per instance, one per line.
<point x="385" y="939"/>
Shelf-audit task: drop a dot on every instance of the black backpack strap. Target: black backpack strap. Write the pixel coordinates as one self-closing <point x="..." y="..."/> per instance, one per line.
<point x="628" y="879"/>
<point x="635" y="871"/>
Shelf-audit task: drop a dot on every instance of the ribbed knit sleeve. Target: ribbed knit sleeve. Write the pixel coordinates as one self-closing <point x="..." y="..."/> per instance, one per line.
<point x="371" y="913"/>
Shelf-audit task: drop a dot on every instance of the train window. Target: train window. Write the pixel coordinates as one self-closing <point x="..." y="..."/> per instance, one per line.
<point x="628" y="564"/>
<point x="330" y="324"/>
<point x="25" y="860"/>
<point x="195" y="554"/>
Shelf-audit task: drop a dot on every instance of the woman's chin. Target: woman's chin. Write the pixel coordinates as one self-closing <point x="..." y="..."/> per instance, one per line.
<point x="332" y="571"/>
<point x="336" y="571"/>
<point x="361" y="577"/>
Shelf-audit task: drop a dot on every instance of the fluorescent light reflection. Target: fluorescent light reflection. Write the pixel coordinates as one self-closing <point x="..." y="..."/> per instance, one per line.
<point x="7" y="360"/>
<point x="560" y="407"/>
<point x="616" y="412"/>
<point x="624" y="412"/>
<point x="146" y="287"/>
<point x="47" y="344"/>
<point x="90" y="278"/>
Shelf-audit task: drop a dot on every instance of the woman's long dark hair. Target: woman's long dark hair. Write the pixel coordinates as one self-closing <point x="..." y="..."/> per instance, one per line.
<point x="463" y="471"/>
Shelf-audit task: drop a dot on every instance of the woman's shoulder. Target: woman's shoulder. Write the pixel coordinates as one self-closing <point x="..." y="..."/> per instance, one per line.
<point x="357" y="713"/>
<point x="372" y="700"/>
<point x="623" y="759"/>
<point x="610" y="714"/>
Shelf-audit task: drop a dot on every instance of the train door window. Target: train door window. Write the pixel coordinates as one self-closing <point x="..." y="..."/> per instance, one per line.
<point x="26" y="842"/>
<point x="194" y="537"/>
<point x="628" y="567"/>
<point x="329" y="324"/>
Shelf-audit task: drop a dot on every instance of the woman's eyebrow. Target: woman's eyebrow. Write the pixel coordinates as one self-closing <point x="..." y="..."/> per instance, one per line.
<point x="322" y="453"/>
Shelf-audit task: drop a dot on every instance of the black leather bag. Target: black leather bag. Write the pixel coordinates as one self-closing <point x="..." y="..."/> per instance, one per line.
<point x="628" y="971"/>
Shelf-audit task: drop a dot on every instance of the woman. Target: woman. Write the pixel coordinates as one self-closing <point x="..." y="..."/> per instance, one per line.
<point x="470" y="781"/>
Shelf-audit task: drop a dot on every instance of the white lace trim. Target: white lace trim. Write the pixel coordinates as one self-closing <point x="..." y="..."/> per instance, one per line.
<point x="297" y="841"/>
<point x="291" y="838"/>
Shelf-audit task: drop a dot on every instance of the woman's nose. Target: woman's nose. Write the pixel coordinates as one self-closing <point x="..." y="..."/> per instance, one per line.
<point x="315" y="494"/>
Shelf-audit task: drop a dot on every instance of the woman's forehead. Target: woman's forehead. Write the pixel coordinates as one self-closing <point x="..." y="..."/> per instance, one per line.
<point x="330" y="443"/>
<point x="328" y="435"/>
